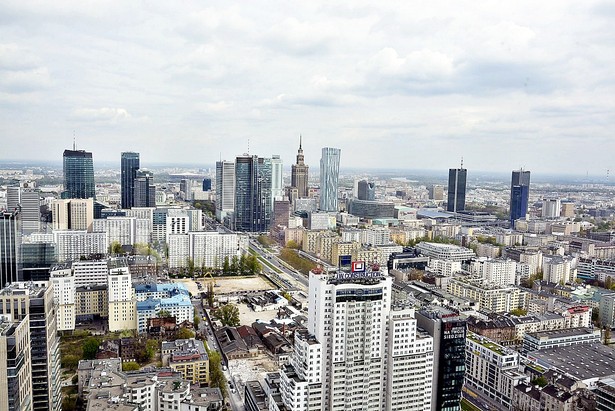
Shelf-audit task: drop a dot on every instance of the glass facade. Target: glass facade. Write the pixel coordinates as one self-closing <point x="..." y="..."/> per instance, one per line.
<point x="37" y="259"/>
<point x="329" y="174"/>
<point x="519" y="195"/>
<point x="129" y="166"/>
<point x="78" y="174"/>
<point x="10" y="243"/>
<point x="144" y="191"/>
<point x="456" y="200"/>
<point x="253" y="199"/>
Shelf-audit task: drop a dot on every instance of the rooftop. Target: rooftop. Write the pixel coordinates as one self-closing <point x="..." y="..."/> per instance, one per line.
<point x="581" y="361"/>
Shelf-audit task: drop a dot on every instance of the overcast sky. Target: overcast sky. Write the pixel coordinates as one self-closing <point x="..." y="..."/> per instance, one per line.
<point x="403" y="84"/>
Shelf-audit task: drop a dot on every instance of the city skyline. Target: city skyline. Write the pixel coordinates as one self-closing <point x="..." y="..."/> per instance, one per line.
<point x="502" y="86"/>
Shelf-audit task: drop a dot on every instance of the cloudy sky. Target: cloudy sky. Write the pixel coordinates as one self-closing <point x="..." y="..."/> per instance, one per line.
<point x="394" y="84"/>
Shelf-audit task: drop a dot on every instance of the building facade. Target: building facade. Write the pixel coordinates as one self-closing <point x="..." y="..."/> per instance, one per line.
<point x="129" y="167"/>
<point x="78" y="174"/>
<point x="519" y="195"/>
<point x="299" y="174"/>
<point x="253" y="200"/>
<point x="329" y="175"/>
<point x="456" y="197"/>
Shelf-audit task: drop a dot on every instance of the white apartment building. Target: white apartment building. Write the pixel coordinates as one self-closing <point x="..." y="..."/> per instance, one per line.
<point x="357" y="349"/>
<point x="445" y="251"/>
<point x="122" y="300"/>
<point x="498" y="272"/>
<point x="125" y="230"/>
<point x="89" y="272"/>
<point x="64" y="292"/>
<point x="444" y="267"/>
<point x="205" y="248"/>
<point x="178" y="222"/>
<point x="72" y="214"/>
<point x="492" y="369"/>
<point x="71" y="245"/>
<point x="558" y="269"/>
<point x="492" y="297"/>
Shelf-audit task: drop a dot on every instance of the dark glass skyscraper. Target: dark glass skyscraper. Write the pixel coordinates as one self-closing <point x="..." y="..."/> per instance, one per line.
<point x="78" y="174"/>
<point x="144" y="189"/>
<point x="252" y="194"/>
<point x="129" y="165"/>
<point x="519" y="195"/>
<point x="456" y="200"/>
<point x="10" y="248"/>
<point x="366" y="190"/>
<point x="448" y="330"/>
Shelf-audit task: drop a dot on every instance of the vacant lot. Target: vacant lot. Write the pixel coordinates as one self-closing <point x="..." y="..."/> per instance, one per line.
<point x="228" y="284"/>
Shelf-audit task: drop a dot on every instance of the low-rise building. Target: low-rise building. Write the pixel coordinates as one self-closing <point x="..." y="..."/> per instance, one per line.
<point x="189" y="357"/>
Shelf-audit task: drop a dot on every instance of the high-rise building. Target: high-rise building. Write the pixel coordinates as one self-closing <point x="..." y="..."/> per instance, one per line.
<point x="519" y="195"/>
<point x="13" y="197"/>
<point x="73" y="214"/>
<point x="15" y="365"/>
<point x="299" y="174"/>
<point x="78" y="174"/>
<point x="37" y="258"/>
<point x="329" y="174"/>
<point x="129" y="167"/>
<point x="359" y="351"/>
<point x="456" y="200"/>
<point x="366" y="190"/>
<point x="551" y="208"/>
<point x="207" y="184"/>
<point x="436" y="192"/>
<point x="10" y="247"/>
<point x="144" y="189"/>
<point x="225" y="189"/>
<point x="33" y="301"/>
<point x="448" y="330"/>
<point x="30" y="210"/>
<point x="122" y="299"/>
<point x="277" y="181"/>
<point x="253" y="204"/>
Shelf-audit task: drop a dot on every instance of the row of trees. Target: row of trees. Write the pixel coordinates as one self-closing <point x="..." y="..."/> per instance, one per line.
<point x="247" y="264"/>
<point x="290" y="256"/>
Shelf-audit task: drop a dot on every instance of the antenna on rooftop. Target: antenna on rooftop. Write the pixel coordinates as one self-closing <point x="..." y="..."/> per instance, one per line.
<point x="248" y="145"/>
<point x="462" y="162"/>
<point x="74" y="142"/>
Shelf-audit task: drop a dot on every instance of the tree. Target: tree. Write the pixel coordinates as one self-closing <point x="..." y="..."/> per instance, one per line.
<point x="115" y="248"/>
<point x="228" y="315"/>
<point x="90" y="348"/>
<point x="196" y="321"/>
<point x="519" y="312"/>
<point x="226" y="268"/>
<point x="184" y="334"/>
<point x="540" y="381"/>
<point x="607" y="335"/>
<point x="234" y="264"/>
<point x="216" y="376"/>
<point x="130" y="366"/>
<point x="210" y="294"/>
<point x="163" y="314"/>
<point x="287" y="295"/>
<point x="292" y="244"/>
<point x="190" y="262"/>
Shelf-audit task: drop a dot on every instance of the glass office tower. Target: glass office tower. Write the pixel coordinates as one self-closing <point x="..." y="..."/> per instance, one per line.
<point x="456" y="200"/>
<point x="78" y="174"/>
<point x="519" y="195"/>
<point x="129" y="165"/>
<point x="329" y="174"/>
<point x="253" y="201"/>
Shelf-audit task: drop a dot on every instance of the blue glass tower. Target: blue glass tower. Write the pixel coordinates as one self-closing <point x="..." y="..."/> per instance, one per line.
<point x="519" y="195"/>
<point x="252" y="194"/>
<point x="78" y="174"/>
<point x="129" y="165"/>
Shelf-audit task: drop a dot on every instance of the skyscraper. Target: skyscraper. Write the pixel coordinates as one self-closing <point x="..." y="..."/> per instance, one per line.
<point x="144" y="189"/>
<point x="366" y="190"/>
<point x="10" y="247"/>
<point x="78" y="174"/>
<point x="329" y="174"/>
<point x="299" y="174"/>
<point x="34" y="301"/>
<point x="448" y="330"/>
<point x="225" y="189"/>
<point x="456" y="189"/>
<point x="129" y="165"/>
<point x="253" y="203"/>
<point x="360" y="351"/>
<point x="277" y="182"/>
<point x="15" y="365"/>
<point x="519" y="195"/>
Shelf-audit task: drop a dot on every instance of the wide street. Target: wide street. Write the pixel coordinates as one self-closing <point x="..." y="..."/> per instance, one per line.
<point x="287" y="272"/>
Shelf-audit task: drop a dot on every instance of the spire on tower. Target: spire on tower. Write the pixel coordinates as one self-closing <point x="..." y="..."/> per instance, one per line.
<point x="461" y="162"/>
<point x="74" y="142"/>
<point x="300" y="141"/>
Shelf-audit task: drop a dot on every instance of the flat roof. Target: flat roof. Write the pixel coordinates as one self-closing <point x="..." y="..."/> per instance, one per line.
<point x="570" y="332"/>
<point x="581" y="361"/>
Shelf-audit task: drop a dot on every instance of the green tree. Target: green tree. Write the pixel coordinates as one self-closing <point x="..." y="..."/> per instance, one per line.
<point x="130" y="366"/>
<point x="210" y="294"/>
<point x="519" y="312"/>
<point x="540" y="381"/>
<point x="196" y="321"/>
<point x="163" y="314"/>
<point x="184" y="334"/>
<point x="287" y="295"/>
<point x="228" y="315"/>
<point x="226" y="268"/>
<point x="292" y="244"/>
<point x="90" y="348"/>
<point x="216" y="376"/>
<point x="234" y="264"/>
<point x="190" y="263"/>
<point x="115" y="248"/>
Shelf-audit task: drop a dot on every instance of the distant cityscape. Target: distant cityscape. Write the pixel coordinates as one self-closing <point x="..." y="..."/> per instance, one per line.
<point x="251" y="285"/>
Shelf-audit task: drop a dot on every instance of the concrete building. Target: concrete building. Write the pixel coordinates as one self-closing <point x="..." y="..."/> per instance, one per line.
<point x="188" y="357"/>
<point x="73" y="214"/>
<point x="353" y="336"/>
<point x="491" y="297"/>
<point x="122" y="300"/>
<point x="445" y="251"/>
<point x="551" y="208"/>
<point x="205" y="248"/>
<point x="492" y="369"/>
<point x="15" y="364"/>
<point x="557" y="269"/>
<point x="125" y="230"/>
<point x="560" y="338"/>
<point x="64" y="293"/>
<point x="33" y="302"/>
<point x="225" y="189"/>
<point x="300" y="173"/>
<point x="72" y="245"/>
<point x="495" y="271"/>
